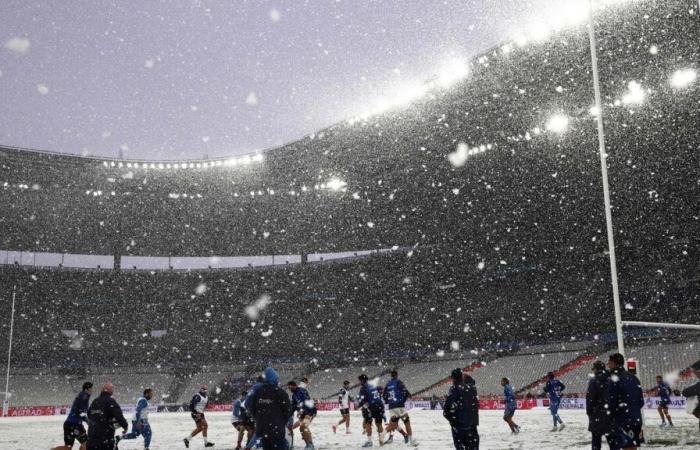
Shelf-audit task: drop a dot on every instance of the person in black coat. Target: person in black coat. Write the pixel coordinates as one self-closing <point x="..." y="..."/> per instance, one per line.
<point x="694" y="390"/>
<point x="599" y="423"/>
<point x="625" y="402"/>
<point x="462" y="411"/>
<point x="104" y="415"/>
<point x="271" y="408"/>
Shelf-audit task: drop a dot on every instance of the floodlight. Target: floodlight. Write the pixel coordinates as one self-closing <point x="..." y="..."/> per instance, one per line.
<point x="558" y="123"/>
<point x="453" y="71"/>
<point x="635" y="94"/>
<point x="683" y="78"/>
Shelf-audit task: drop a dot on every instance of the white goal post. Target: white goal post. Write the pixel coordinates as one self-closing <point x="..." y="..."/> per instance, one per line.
<point x="619" y="323"/>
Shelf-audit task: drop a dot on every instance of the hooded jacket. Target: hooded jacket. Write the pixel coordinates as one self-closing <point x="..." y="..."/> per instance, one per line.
<point x="270" y="407"/>
<point x="462" y="405"/>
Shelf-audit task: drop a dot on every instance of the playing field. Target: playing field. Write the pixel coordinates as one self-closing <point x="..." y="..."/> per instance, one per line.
<point x="430" y="429"/>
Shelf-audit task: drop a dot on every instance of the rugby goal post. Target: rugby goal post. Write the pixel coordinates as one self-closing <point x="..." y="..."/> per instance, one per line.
<point x="619" y="323"/>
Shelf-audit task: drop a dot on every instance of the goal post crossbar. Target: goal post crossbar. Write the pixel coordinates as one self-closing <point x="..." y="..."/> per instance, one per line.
<point x="684" y="326"/>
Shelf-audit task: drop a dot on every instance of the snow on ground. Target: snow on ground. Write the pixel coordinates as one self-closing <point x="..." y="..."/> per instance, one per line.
<point x="430" y="429"/>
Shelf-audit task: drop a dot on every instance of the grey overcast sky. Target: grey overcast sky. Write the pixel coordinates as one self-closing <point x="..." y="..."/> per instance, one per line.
<point x="170" y="79"/>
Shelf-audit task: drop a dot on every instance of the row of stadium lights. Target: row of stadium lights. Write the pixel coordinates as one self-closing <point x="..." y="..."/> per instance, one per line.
<point x="571" y="14"/>
<point x="334" y="184"/>
<point x="231" y="162"/>
<point x="454" y="70"/>
<point x="559" y="123"/>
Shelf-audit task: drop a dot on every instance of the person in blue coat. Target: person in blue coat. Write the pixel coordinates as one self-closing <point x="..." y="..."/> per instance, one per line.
<point x="663" y="390"/>
<point x="511" y="405"/>
<point x="462" y="411"/>
<point x="306" y="411"/>
<point x="597" y="405"/>
<point x="253" y="440"/>
<point x="553" y="389"/>
<point x="140" y="425"/>
<point x="271" y="409"/>
<point x="395" y="395"/>
<point x="625" y="403"/>
<point x="73" y="428"/>
<point x="370" y="402"/>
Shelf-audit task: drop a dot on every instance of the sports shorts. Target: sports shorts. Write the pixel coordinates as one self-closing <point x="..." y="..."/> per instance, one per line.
<point x="397" y="413"/>
<point x="74" y="432"/>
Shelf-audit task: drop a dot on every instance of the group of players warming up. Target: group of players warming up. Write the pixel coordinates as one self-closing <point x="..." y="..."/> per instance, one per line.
<point x="266" y="415"/>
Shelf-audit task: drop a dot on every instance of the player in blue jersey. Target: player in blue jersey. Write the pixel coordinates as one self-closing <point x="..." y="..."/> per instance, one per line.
<point x="73" y="428"/>
<point x="140" y="425"/>
<point x="395" y="395"/>
<point x="553" y="389"/>
<point x="663" y="390"/>
<point x="306" y="410"/>
<point x="511" y="405"/>
<point x="370" y="402"/>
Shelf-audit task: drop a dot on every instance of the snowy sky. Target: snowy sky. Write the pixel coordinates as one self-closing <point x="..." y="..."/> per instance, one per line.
<point x="182" y="79"/>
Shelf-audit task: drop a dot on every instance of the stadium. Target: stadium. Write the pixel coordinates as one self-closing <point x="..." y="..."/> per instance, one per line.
<point x="461" y="226"/>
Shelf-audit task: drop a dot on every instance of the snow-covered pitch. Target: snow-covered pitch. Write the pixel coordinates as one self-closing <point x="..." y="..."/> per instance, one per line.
<point x="430" y="429"/>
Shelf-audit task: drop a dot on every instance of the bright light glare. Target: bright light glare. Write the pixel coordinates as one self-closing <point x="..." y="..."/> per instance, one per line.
<point x="408" y="93"/>
<point x="336" y="184"/>
<point x="683" y="78"/>
<point x="635" y="94"/>
<point x="558" y="123"/>
<point x="453" y="71"/>
<point x="567" y="14"/>
<point x="539" y="32"/>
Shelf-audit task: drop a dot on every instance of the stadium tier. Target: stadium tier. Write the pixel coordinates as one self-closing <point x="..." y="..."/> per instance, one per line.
<point x="427" y="379"/>
<point x="388" y="180"/>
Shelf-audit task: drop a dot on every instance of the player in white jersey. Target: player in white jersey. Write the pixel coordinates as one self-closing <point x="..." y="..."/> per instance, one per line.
<point x="344" y="399"/>
<point x="141" y="426"/>
<point x="197" y="407"/>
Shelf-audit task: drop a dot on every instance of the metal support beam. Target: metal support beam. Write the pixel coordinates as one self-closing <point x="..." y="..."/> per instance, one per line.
<point x="682" y="326"/>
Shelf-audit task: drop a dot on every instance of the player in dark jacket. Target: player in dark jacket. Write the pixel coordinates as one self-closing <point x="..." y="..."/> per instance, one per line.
<point x="271" y="409"/>
<point x="306" y="410"/>
<point x="462" y="411"/>
<point x="73" y="429"/>
<point x="596" y="405"/>
<point x="104" y="415"/>
<point x="625" y="403"/>
<point x="694" y="391"/>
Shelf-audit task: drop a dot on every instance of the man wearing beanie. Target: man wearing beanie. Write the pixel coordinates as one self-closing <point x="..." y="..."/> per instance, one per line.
<point x="462" y="411"/>
<point x="694" y="391"/>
